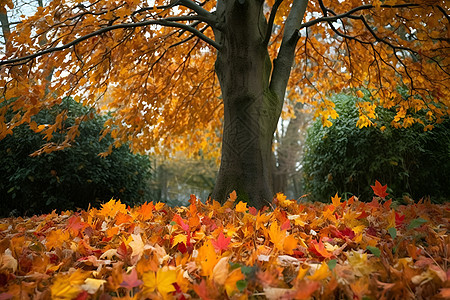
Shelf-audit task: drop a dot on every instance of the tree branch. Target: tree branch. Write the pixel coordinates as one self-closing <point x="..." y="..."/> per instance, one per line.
<point x="283" y="63"/>
<point x="197" y="8"/>
<point x="161" y="22"/>
<point x="349" y="14"/>
<point x="273" y="13"/>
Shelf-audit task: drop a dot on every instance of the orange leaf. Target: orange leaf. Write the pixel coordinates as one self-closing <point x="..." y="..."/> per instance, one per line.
<point x="145" y="211"/>
<point x="379" y="190"/>
<point x="318" y="248"/>
<point x="336" y="200"/>
<point x="241" y="207"/>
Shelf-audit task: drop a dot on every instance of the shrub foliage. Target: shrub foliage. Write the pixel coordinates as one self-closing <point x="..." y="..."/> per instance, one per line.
<point x="344" y="158"/>
<point x="71" y="178"/>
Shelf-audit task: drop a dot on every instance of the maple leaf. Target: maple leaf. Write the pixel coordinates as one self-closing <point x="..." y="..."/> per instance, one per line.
<point x="122" y="218"/>
<point x="162" y="281"/>
<point x="75" y="225"/>
<point x="282" y="201"/>
<point x="252" y="210"/>
<point x="145" y="211"/>
<point x="131" y="280"/>
<point x="276" y="235"/>
<point x="336" y="200"/>
<point x="318" y="248"/>
<point x="68" y="286"/>
<point x="177" y="219"/>
<point x="138" y="246"/>
<point x="112" y="207"/>
<point x="221" y="243"/>
<point x="230" y="283"/>
<point x="379" y="190"/>
<point x="241" y="207"/>
<point x="233" y="196"/>
<point x="290" y="243"/>
<point x="202" y="290"/>
<point x="321" y="273"/>
<point x="56" y="238"/>
<point x="306" y="288"/>
<point x="207" y="258"/>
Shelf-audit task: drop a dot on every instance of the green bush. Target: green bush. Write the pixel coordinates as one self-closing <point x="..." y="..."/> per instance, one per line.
<point x="345" y="159"/>
<point x="71" y="178"/>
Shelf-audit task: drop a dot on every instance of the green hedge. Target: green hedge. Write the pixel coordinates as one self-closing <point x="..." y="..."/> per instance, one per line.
<point x="71" y="178"/>
<point x="346" y="159"/>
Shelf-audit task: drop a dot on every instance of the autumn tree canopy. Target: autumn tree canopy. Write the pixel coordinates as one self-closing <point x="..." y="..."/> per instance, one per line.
<point x="174" y="72"/>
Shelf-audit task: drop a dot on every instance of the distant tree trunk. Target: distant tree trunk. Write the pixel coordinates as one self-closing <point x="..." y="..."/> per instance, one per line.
<point x="252" y="97"/>
<point x="288" y="151"/>
<point x="6" y="30"/>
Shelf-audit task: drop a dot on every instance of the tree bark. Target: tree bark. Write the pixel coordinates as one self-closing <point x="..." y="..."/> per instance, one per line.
<point x="6" y="30"/>
<point x="288" y="152"/>
<point x="252" y="97"/>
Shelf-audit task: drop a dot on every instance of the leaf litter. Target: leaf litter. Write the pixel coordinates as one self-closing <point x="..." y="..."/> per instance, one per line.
<point x="293" y="250"/>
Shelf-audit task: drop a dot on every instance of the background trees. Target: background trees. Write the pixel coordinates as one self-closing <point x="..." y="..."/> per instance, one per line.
<point x="344" y="159"/>
<point x="161" y="67"/>
<point x="75" y="177"/>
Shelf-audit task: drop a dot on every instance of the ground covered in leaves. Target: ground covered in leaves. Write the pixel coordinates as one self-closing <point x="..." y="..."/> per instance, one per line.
<point x="293" y="250"/>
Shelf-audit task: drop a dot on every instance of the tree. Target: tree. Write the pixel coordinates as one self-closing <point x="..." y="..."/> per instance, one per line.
<point x="288" y="142"/>
<point x="173" y="72"/>
<point x="75" y="177"/>
<point x="342" y="159"/>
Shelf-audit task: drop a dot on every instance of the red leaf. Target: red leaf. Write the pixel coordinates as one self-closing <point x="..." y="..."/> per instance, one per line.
<point x="75" y="225"/>
<point x="131" y="280"/>
<point x="347" y="232"/>
<point x="201" y="290"/>
<point x="82" y="296"/>
<point x="123" y="251"/>
<point x="387" y="204"/>
<point x="399" y="219"/>
<point x="318" y="248"/>
<point x="379" y="190"/>
<point x="221" y="243"/>
<point x="286" y="225"/>
<point x="181" y="222"/>
<point x="363" y="214"/>
<point x="252" y="210"/>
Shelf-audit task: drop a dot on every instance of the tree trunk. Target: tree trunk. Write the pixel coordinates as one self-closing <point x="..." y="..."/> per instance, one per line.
<point x="251" y="110"/>
<point x="6" y="31"/>
<point x="252" y="96"/>
<point x="289" y="151"/>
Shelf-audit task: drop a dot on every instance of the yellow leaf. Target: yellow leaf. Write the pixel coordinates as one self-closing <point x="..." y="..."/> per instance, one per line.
<point x="92" y="285"/>
<point x="241" y="207"/>
<point x="111" y="208"/>
<point x="207" y="258"/>
<point x="230" y="282"/>
<point x="281" y="198"/>
<point x="277" y="236"/>
<point x="336" y="200"/>
<point x="162" y="281"/>
<point x="320" y="273"/>
<point x="360" y="94"/>
<point x="68" y="286"/>
<point x="290" y="243"/>
<point x="180" y="238"/>
<point x="302" y="271"/>
<point x="56" y="238"/>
